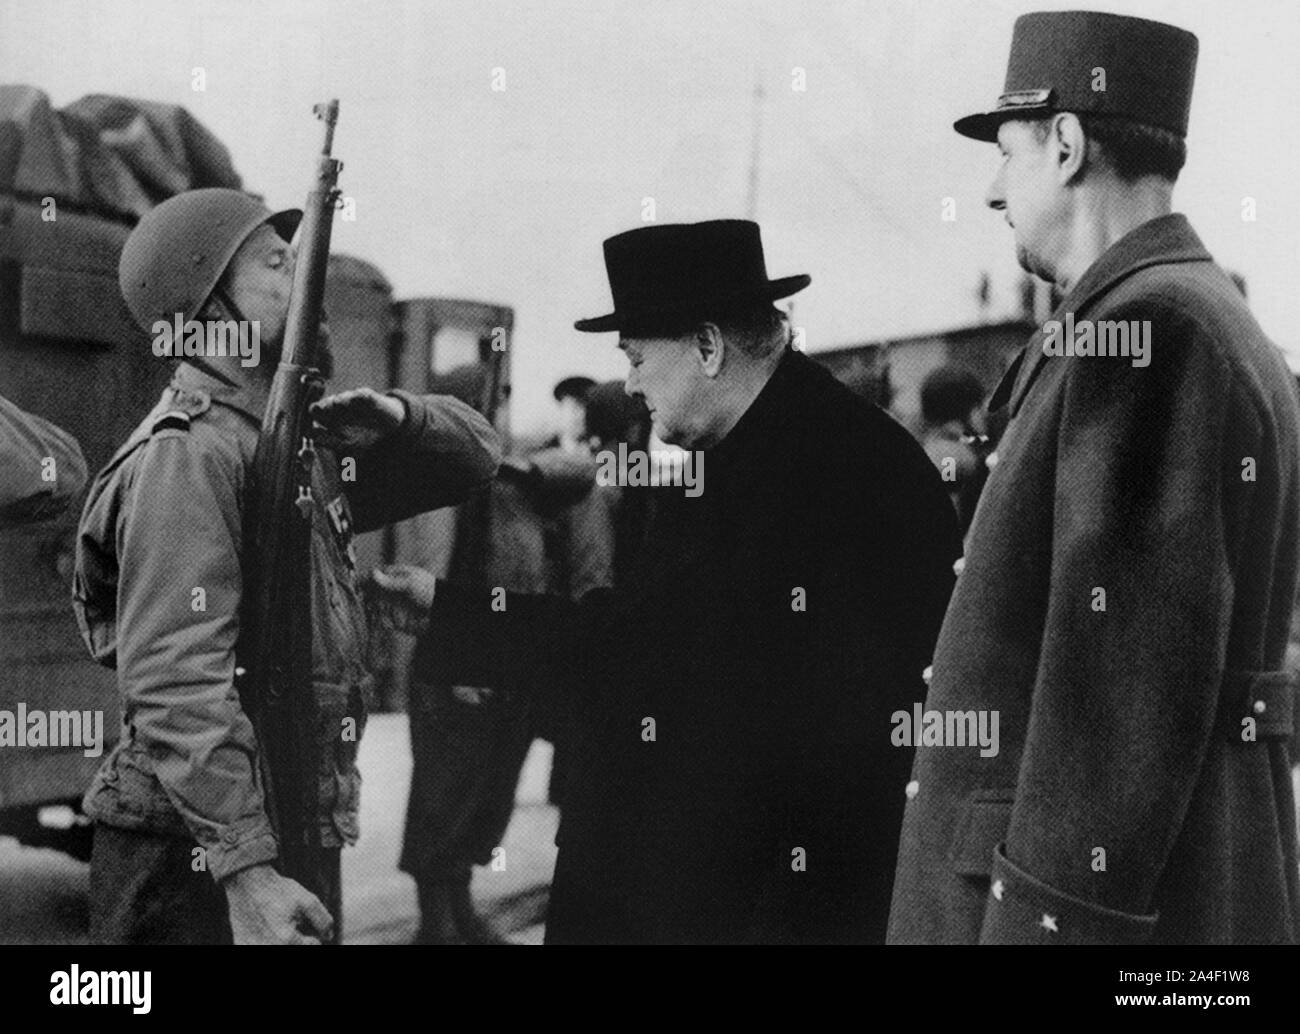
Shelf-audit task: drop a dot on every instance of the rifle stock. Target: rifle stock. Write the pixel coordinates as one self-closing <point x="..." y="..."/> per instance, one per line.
<point x="275" y="647"/>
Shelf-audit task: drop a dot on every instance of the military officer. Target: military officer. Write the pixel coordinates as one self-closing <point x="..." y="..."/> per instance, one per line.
<point x="1128" y="580"/>
<point x="183" y="850"/>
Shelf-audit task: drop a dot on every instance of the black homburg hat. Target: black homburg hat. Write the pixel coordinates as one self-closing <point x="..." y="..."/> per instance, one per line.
<point x="664" y="275"/>
<point x="1096" y="64"/>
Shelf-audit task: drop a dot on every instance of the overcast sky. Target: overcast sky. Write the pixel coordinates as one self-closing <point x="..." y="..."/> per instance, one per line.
<point x="506" y="195"/>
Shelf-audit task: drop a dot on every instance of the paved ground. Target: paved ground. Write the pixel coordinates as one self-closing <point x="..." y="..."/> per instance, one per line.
<point x="43" y="893"/>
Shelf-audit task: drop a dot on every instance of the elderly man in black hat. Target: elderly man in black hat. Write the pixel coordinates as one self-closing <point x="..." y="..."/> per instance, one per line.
<point x="1127" y="587"/>
<point x="733" y="776"/>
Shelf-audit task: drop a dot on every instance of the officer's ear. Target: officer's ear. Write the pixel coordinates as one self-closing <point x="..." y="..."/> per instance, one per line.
<point x="1069" y="144"/>
<point x="710" y="348"/>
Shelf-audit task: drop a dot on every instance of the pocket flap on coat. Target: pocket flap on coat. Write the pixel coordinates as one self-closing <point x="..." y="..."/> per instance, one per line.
<point x="980" y="830"/>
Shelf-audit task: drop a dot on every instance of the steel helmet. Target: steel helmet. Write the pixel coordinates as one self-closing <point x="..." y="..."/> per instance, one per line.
<point x="177" y="252"/>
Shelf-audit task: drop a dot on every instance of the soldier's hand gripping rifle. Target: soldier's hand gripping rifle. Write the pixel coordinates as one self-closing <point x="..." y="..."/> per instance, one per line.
<point x="275" y="641"/>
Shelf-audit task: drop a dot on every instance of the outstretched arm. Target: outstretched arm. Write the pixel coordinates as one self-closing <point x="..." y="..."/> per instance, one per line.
<point x="406" y="454"/>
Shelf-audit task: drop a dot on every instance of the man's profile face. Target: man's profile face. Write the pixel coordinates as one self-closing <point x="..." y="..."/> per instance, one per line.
<point x="259" y="280"/>
<point x="665" y="373"/>
<point x="1026" y="190"/>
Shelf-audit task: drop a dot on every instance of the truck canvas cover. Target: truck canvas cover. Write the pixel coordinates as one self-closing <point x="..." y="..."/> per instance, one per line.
<point x="72" y="184"/>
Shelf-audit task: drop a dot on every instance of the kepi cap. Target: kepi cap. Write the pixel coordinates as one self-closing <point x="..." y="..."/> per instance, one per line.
<point x="1092" y="63"/>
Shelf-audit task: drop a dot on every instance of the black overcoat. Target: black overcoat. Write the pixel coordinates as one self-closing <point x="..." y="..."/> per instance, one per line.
<point x="733" y="778"/>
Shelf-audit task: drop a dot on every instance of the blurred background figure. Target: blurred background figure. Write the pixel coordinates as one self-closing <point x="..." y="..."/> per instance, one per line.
<point x="571" y="398"/>
<point x="41" y="467"/>
<point x="597" y="536"/>
<point x="954" y="435"/>
<point x="614" y="418"/>
<point x="469" y="742"/>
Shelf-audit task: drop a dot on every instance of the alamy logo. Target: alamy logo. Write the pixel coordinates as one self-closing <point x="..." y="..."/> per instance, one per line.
<point x="636" y="468"/>
<point x="921" y="728"/>
<point x="209" y="338"/>
<point x="37" y="728"/>
<point x="1104" y="338"/>
<point x="123" y="987"/>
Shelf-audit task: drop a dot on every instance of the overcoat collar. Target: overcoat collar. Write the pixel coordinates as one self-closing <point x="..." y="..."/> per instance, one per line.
<point x="758" y="427"/>
<point x="1165" y="239"/>
<point x="744" y="476"/>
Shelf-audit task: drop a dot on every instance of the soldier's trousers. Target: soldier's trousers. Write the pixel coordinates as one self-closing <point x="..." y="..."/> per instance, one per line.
<point x="144" y="890"/>
<point x="467" y="759"/>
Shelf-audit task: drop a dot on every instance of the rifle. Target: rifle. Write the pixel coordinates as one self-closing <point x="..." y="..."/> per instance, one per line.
<point x="275" y="647"/>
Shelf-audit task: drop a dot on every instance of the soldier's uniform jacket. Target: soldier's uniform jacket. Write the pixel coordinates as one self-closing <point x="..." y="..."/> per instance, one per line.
<point x="1140" y="792"/>
<point x="157" y="590"/>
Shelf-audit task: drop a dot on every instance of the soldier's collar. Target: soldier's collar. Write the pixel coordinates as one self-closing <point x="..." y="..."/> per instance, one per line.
<point x="247" y="397"/>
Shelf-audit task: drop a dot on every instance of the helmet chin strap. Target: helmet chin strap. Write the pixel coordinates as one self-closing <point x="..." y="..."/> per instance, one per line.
<point x="220" y="296"/>
<point x="228" y="303"/>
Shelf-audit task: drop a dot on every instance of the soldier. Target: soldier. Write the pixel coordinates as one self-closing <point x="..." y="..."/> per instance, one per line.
<point x="183" y="850"/>
<point x="1124" y="605"/>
